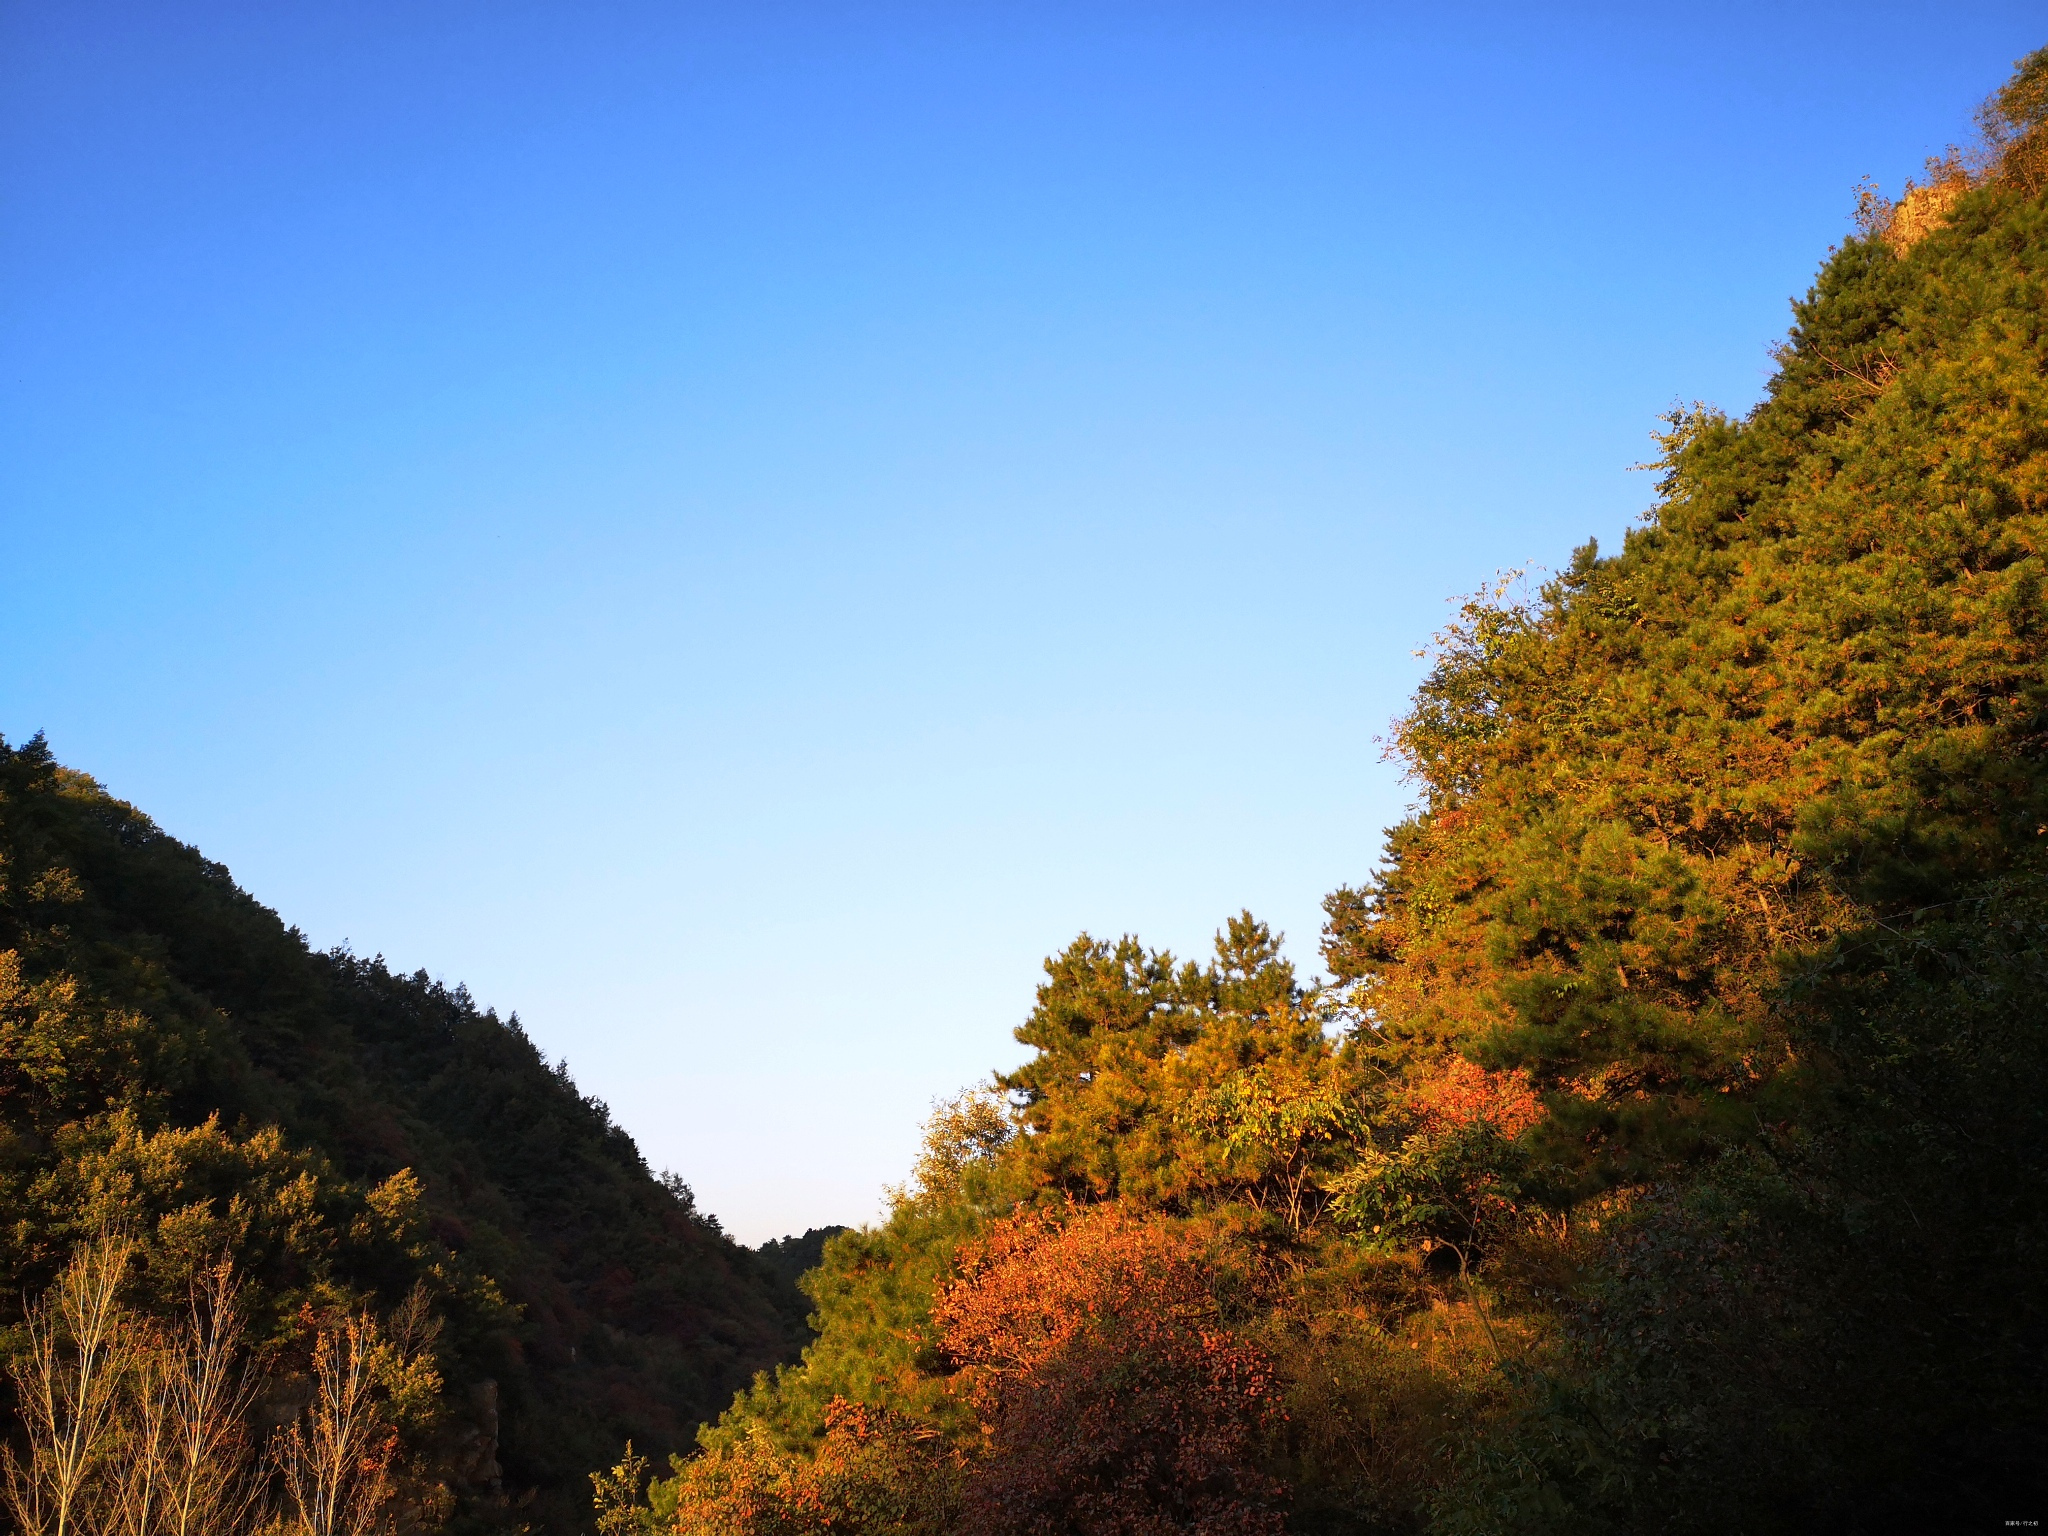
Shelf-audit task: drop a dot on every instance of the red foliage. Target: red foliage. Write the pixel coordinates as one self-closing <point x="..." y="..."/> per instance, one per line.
<point x="1465" y="1093"/>
<point x="1114" y="1398"/>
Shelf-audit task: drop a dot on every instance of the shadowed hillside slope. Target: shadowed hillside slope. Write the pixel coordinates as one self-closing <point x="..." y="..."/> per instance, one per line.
<point x="175" y="1060"/>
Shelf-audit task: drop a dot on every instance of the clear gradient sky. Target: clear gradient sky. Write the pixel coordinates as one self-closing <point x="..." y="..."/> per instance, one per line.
<point x="735" y="530"/>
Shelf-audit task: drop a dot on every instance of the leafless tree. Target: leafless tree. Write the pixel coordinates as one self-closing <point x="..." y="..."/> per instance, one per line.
<point x="336" y="1461"/>
<point x="134" y="1429"/>
<point x="70" y="1385"/>
<point x="189" y="1468"/>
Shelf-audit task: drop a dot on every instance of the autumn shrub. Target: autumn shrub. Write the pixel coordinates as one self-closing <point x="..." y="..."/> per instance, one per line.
<point x="875" y="1472"/>
<point x="1114" y="1394"/>
<point x="1385" y="1366"/>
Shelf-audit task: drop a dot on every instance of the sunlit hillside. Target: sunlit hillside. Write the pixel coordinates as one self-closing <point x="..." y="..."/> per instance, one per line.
<point x="1667" y="1154"/>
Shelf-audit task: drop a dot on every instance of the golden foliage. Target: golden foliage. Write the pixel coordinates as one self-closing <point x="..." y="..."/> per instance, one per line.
<point x="134" y="1429"/>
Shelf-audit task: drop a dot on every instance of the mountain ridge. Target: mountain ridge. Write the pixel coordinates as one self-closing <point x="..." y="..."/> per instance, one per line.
<point x="175" y="1059"/>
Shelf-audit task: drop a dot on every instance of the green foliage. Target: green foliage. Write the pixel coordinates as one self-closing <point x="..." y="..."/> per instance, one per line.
<point x="1128" y="1042"/>
<point x="1285" y="1127"/>
<point x="1808" y="689"/>
<point x="876" y="1342"/>
<point x="1835" y="1325"/>
<point x="788" y="1260"/>
<point x="965" y="1133"/>
<point x="615" y="1496"/>
<point x="1458" y="1187"/>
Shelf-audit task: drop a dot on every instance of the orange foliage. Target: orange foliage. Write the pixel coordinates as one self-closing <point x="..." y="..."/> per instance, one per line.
<point x="1113" y="1396"/>
<point x="1464" y="1094"/>
<point x="875" y="1471"/>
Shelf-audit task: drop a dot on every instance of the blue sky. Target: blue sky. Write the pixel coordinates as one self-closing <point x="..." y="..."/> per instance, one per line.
<point x="735" y="530"/>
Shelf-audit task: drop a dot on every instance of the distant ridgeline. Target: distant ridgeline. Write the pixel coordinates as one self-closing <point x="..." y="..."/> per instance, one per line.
<point x="177" y="1064"/>
<point x="1671" y="1151"/>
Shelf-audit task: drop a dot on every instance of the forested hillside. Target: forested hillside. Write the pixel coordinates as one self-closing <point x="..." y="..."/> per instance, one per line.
<point x="177" y="1064"/>
<point x="1669" y="1151"/>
